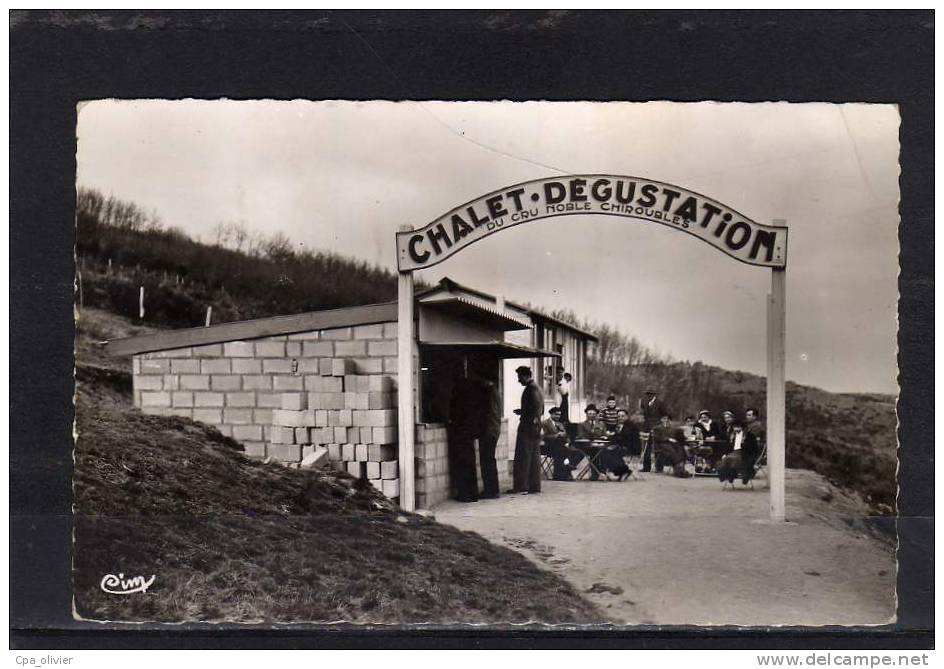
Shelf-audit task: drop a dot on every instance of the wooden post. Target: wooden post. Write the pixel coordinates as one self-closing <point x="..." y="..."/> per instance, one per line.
<point x="209" y="316"/>
<point x="406" y="422"/>
<point x="776" y="392"/>
<point x="141" y="303"/>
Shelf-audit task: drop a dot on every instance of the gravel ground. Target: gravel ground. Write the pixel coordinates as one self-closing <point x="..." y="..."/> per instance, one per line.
<point x="661" y="550"/>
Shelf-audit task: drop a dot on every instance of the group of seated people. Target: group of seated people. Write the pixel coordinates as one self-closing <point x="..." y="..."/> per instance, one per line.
<point x="614" y="427"/>
<point x="728" y="447"/>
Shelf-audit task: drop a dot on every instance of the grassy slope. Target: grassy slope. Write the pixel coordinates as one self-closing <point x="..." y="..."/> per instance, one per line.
<point x="237" y="540"/>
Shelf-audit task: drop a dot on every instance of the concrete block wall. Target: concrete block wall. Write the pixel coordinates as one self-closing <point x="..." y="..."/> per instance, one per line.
<point x="433" y="483"/>
<point x="359" y="441"/>
<point x="431" y="450"/>
<point x="235" y="386"/>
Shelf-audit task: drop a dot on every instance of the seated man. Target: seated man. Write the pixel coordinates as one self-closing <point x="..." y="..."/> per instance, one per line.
<point x="592" y="428"/>
<point x="669" y="447"/>
<point x="623" y="441"/>
<point x="740" y="461"/>
<point x="754" y="425"/>
<point x="627" y="436"/>
<point x="556" y="446"/>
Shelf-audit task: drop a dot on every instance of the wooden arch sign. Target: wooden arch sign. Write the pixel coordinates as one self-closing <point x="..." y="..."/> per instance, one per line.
<point x="714" y="223"/>
<point x="629" y="197"/>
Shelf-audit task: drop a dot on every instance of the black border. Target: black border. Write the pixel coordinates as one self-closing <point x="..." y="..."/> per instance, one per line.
<point x="59" y="58"/>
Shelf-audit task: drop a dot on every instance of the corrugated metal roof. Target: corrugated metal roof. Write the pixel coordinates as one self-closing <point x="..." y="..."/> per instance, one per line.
<point x="453" y="285"/>
<point x="470" y="307"/>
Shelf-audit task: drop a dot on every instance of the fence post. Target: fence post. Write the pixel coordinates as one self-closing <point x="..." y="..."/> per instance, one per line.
<point x="209" y="316"/>
<point x="141" y="304"/>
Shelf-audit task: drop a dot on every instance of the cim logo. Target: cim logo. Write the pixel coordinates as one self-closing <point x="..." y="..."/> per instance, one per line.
<point x="118" y="585"/>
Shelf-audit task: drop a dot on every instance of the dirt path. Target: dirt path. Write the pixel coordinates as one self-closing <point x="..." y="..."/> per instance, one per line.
<point x="661" y="550"/>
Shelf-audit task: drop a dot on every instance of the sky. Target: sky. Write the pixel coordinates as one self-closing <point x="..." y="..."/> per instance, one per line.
<point x="342" y="176"/>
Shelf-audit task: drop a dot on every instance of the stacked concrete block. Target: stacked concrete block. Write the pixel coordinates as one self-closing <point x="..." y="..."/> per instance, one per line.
<point x="432" y="465"/>
<point x="391" y="488"/>
<point x="356" y="469"/>
<point x="236" y="386"/>
<point x="375" y="462"/>
<point x="334" y="455"/>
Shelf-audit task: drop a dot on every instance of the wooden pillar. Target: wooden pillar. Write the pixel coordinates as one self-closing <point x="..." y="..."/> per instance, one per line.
<point x="406" y="422"/>
<point x="776" y="392"/>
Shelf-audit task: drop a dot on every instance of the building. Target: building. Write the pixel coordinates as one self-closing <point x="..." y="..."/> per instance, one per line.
<point x="286" y="385"/>
<point x="567" y="344"/>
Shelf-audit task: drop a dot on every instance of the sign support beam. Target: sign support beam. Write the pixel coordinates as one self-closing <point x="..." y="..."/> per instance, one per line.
<point x="405" y="424"/>
<point x="776" y="393"/>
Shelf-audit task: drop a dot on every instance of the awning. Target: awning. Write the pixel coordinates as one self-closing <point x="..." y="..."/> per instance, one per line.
<point x="498" y="349"/>
<point x="478" y="311"/>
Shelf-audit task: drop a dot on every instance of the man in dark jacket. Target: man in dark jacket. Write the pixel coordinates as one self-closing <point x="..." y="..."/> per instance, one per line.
<point x="557" y="448"/>
<point x="527" y="467"/>
<point x="623" y="440"/>
<point x="463" y="428"/>
<point x="756" y="439"/>
<point x="725" y="431"/>
<point x="741" y="460"/>
<point x="709" y="428"/>
<point x="755" y="426"/>
<point x="669" y="447"/>
<point x="651" y="409"/>
<point x="627" y="435"/>
<point x="488" y="439"/>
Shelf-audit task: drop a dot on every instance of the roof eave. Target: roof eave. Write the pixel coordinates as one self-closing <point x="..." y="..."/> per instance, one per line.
<point x="254" y="329"/>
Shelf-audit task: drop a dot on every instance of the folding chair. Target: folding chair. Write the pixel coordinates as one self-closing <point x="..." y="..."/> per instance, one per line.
<point x="547" y="462"/>
<point x="760" y="464"/>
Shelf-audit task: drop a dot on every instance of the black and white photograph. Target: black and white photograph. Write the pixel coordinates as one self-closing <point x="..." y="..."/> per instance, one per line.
<point x="494" y="363"/>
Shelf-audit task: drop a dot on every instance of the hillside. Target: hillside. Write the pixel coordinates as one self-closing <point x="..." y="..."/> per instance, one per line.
<point x="120" y="248"/>
<point x="228" y="538"/>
